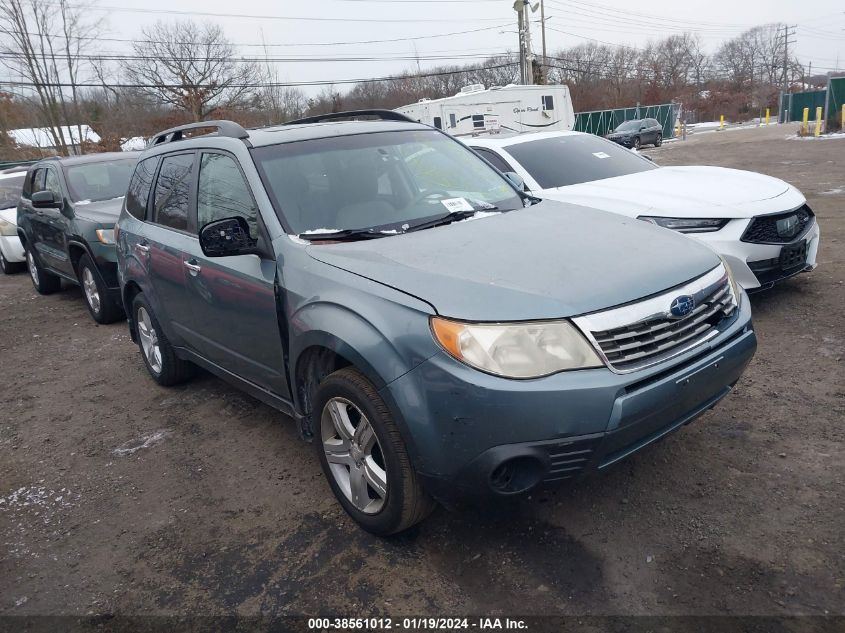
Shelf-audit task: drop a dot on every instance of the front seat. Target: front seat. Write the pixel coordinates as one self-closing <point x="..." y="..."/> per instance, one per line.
<point x="356" y="185"/>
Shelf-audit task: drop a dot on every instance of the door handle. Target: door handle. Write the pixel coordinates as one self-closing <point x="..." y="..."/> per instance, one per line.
<point x="143" y="247"/>
<point x="194" y="268"/>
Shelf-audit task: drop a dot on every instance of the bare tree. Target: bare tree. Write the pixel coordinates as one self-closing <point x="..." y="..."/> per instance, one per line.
<point x="42" y="43"/>
<point x="193" y="68"/>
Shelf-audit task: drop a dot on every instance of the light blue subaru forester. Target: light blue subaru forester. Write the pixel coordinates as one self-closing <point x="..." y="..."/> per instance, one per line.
<point x="438" y="333"/>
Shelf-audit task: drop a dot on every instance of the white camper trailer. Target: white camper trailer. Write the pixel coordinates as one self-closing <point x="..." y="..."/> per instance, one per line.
<point x="512" y="108"/>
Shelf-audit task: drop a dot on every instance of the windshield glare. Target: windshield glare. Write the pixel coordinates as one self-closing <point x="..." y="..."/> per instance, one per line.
<point x="99" y="181"/>
<point x="382" y="180"/>
<point x="569" y="160"/>
<point x="10" y="190"/>
<point x="627" y="126"/>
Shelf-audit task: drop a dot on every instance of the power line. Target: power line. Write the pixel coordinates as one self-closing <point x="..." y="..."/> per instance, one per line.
<point x="105" y="8"/>
<point x="292" y="84"/>
<point x="291" y="44"/>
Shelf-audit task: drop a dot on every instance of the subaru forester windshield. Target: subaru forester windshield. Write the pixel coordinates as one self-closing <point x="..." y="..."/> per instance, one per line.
<point x="385" y="181"/>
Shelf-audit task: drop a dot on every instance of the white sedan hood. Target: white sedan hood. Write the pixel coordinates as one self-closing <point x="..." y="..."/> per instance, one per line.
<point x="693" y="192"/>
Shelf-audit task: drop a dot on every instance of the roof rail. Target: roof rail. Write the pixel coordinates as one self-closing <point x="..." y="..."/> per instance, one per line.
<point x="384" y="115"/>
<point x="224" y="128"/>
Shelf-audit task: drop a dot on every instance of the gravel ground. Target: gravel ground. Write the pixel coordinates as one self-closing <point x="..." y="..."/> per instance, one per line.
<point x="118" y="496"/>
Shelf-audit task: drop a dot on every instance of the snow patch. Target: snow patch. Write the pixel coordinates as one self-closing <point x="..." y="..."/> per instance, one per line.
<point x="145" y="442"/>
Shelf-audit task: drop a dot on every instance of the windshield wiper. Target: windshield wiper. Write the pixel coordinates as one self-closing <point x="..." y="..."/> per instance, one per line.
<point x="345" y="235"/>
<point x="446" y="218"/>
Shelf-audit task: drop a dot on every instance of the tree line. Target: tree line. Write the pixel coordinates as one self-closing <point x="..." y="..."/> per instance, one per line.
<point x="184" y="71"/>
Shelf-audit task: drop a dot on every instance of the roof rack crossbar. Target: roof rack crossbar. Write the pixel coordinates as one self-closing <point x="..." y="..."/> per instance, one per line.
<point x="384" y="115"/>
<point x="224" y="128"/>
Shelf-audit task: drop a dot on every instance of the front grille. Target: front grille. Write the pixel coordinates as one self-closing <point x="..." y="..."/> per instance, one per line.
<point x="764" y="229"/>
<point x="634" y="342"/>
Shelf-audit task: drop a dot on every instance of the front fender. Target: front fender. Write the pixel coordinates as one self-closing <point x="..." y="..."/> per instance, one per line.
<point x="377" y="348"/>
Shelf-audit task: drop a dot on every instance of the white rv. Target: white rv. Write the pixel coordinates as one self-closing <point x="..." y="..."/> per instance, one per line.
<point x="512" y="108"/>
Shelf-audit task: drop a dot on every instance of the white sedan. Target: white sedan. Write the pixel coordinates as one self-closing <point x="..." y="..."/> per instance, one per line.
<point x="762" y="226"/>
<point x="11" y="251"/>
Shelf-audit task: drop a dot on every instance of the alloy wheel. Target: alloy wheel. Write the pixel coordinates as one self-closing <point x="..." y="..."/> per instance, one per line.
<point x="33" y="267"/>
<point x="89" y="285"/>
<point x="149" y="340"/>
<point x="354" y="455"/>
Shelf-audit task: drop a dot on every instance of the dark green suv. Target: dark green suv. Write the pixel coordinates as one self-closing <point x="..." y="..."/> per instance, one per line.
<point x="66" y="219"/>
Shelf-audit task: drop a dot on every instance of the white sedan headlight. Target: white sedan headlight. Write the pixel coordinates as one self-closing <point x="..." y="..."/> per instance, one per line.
<point x="7" y="228"/>
<point x="686" y="225"/>
<point x="516" y="350"/>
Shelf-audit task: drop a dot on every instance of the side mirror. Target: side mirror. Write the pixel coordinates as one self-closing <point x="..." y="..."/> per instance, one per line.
<point x="516" y="179"/>
<point x="46" y="200"/>
<point x="223" y="238"/>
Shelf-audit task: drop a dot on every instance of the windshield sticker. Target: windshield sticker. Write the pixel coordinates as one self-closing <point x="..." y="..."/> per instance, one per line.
<point x="601" y="155"/>
<point x="456" y="204"/>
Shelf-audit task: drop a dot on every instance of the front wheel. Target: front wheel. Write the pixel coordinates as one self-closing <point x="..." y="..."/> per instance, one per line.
<point x="45" y="283"/>
<point x="101" y="306"/>
<point x="363" y="455"/>
<point x="7" y="266"/>
<point x="658" y="141"/>
<point x="636" y="143"/>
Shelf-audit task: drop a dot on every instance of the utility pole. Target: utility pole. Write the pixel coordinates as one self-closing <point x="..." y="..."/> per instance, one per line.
<point x="526" y="58"/>
<point x="787" y="32"/>
<point x="543" y="31"/>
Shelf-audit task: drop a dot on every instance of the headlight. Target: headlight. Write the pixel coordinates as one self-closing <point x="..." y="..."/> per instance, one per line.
<point x="516" y="350"/>
<point x="106" y="236"/>
<point x="734" y="285"/>
<point x="686" y="225"/>
<point x="7" y="228"/>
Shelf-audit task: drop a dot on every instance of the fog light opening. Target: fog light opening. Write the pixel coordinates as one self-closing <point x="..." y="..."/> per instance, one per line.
<point x="516" y="475"/>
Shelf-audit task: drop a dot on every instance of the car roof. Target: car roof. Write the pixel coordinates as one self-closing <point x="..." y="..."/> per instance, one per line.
<point x="291" y="133"/>
<point x="87" y="158"/>
<point x="505" y="140"/>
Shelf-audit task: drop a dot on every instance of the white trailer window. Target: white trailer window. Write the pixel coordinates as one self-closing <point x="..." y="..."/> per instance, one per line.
<point x="452" y="121"/>
<point x="548" y="102"/>
<point x="478" y="121"/>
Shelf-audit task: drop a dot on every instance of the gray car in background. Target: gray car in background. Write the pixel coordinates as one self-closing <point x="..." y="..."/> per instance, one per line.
<point x="638" y="132"/>
<point x="437" y="332"/>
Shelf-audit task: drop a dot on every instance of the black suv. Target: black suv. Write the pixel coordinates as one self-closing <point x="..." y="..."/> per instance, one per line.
<point x="66" y="219"/>
<point x="638" y="132"/>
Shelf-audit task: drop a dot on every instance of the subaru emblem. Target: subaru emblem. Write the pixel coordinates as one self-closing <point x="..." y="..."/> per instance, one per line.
<point x="682" y="306"/>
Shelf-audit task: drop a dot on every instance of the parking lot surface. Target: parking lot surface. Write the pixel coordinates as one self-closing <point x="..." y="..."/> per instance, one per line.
<point x="119" y="496"/>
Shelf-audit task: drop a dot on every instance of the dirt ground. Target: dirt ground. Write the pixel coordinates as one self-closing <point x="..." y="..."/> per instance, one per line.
<point x="119" y="496"/>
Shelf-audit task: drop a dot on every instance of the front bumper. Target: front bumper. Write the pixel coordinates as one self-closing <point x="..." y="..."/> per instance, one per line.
<point x="755" y="266"/>
<point x="626" y="141"/>
<point x="466" y="428"/>
<point x="12" y="248"/>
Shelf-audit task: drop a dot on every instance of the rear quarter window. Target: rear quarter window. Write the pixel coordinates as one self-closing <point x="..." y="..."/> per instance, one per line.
<point x="140" y="185"/>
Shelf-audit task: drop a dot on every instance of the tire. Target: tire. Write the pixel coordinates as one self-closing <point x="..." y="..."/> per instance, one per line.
<point x="636" y="143"/>
<point x="6" y="266"/>
<point x="166" y="368"/>
<point x="45" y="283"/>
<point x="100" y="304"/>
<point x="658" y="141"/>
<point x="347" y="400"/>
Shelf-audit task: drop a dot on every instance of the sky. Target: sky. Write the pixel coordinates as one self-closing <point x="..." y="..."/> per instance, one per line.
<point x="457" y="31"/>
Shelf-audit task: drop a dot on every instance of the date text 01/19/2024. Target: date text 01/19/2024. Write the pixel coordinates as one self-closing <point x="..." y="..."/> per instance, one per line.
<point x="416" y="624"/>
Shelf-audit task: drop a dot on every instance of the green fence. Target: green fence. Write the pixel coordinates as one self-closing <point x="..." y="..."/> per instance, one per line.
<point x="793" y="104"/>
<point x="600" y="122"/>
<point x="835" y="101"/>
<point x="7" y="164"/>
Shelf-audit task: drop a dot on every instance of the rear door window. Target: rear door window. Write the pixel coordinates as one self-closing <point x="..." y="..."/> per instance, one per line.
<point x="140" y="185"/>
<point x="173" y="191"/>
